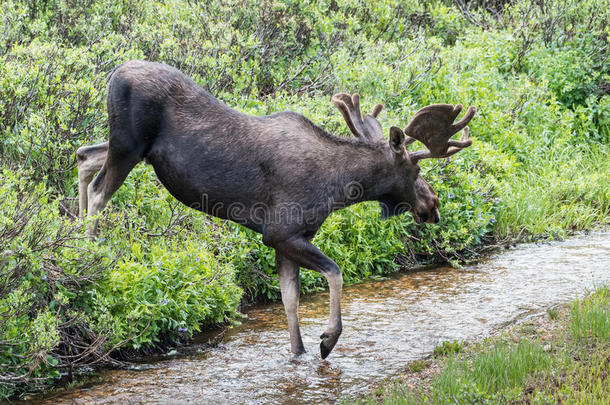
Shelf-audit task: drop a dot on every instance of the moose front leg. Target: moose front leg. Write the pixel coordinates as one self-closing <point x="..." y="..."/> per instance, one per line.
<point x="288" y="272"/>
<point x="303" y="253"/>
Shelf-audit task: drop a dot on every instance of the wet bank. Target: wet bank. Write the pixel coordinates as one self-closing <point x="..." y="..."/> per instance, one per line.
<point x="386" y="324"/>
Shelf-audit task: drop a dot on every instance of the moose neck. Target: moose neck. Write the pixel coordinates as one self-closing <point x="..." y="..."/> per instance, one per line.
<point x="366" y="173"/>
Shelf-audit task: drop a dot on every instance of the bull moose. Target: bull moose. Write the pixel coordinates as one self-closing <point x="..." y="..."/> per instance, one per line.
<point x="280" y="175"/>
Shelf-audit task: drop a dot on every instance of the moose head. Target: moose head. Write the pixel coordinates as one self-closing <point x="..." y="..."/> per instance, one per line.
<point x="433" y="126"/>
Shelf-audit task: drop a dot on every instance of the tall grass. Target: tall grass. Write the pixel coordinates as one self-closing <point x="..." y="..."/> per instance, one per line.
<point x="491" y="374"/>
<point x="566" y="191"/>
<point x="590" y="317"/>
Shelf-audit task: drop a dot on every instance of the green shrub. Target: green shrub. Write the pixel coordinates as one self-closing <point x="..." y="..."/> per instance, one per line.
<point x="42" y="268"/>
<point x="78" y="300"/>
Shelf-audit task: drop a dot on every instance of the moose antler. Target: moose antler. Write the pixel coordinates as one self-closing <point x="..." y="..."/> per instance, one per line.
<point x="433" y="126"/>
<point x="367" y="129"/>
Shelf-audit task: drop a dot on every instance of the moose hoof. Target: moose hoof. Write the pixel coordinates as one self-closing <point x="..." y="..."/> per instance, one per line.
<point x="329" y="340"/>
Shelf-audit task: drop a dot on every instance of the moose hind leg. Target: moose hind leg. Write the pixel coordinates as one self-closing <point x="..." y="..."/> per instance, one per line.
<point x="288" y="272"/>
<point x="90" y="160"/>
<point x="113" y="174"/>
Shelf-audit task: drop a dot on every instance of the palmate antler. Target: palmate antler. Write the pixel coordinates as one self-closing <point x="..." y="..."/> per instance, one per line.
<point x="367" y="129"/>
<point x="433" y="126"/>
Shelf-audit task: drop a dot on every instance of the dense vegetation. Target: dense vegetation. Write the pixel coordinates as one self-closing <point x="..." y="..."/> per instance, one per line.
<point x="565" y="361"/>
<point x="538" y="72"/>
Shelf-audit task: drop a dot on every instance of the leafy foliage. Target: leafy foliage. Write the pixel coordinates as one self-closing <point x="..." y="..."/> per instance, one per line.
<point x="68" y="302"/>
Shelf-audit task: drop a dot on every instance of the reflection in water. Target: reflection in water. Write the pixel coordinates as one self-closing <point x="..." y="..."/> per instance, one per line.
<point x="386" y="324"/>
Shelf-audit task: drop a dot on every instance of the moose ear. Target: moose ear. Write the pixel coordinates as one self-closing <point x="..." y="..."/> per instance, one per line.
<point x="397" y="140"/>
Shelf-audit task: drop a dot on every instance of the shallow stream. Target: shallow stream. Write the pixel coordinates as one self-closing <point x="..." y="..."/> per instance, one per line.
<point x="386" y="325"/>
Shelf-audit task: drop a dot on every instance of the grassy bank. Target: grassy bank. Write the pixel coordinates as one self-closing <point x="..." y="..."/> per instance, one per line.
<point x="562" y="357"/>
<point x="539" y="167"/>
